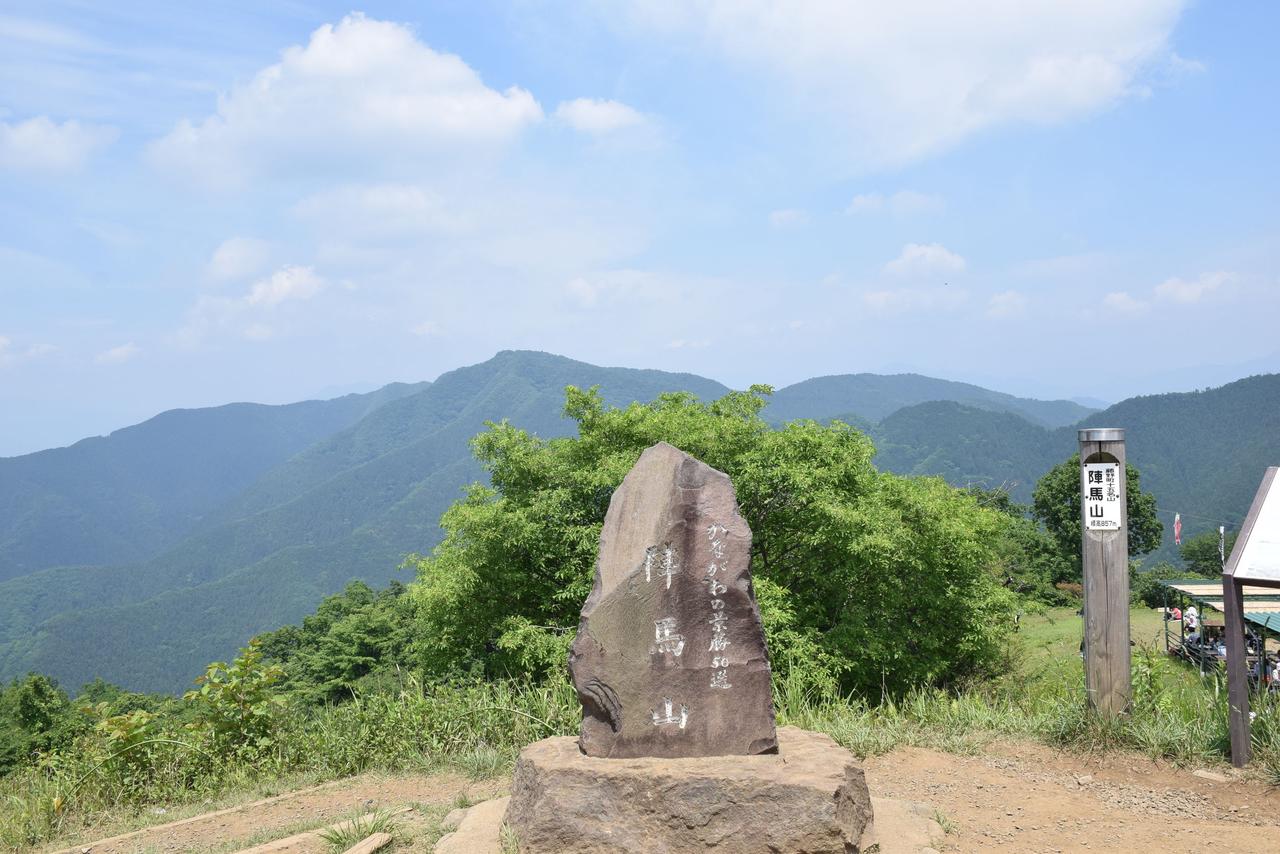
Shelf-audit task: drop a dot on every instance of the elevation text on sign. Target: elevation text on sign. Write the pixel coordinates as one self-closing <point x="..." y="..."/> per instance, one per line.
<point x="1102" y="496"/>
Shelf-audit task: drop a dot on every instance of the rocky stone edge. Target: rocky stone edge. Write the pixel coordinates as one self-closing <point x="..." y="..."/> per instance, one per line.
<point x="899" y="827"/>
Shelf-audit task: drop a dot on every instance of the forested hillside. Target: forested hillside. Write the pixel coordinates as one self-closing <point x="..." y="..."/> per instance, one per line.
<point x="969" y="446"/>
<point x="877" y="396"/>
<point x="123" y="497"/>
<point x="228" y="522"/>
<point x="349" y="508"/>
<point x="1201" y="453"/>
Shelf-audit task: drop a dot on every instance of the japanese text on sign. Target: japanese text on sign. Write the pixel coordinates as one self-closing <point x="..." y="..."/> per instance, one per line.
<point x="1102" y="496"/>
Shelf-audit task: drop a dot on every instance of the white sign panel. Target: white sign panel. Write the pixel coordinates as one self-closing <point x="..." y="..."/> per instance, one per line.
<point x="1260" y="557"/>
<point x="1102" y="498"/>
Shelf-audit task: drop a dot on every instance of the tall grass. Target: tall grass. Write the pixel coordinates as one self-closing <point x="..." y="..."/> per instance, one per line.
<point x="479" y="729"/>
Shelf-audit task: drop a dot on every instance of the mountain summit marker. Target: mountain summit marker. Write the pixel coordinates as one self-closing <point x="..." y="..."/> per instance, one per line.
<point x="670" y="658"/>
<point x="678" y="749"/>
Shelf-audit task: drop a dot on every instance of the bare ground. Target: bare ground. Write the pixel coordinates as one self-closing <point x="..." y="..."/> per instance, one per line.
<point x="1029" y="798"/>
<point x="1015" y="797"/>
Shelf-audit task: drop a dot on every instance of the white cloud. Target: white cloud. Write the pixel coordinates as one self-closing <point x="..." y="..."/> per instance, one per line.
<point x="11" y="355"/>
<point x="865" y="203"/>
<point x="920" y="259"/>
<point x="1007" y="304"/>
<point x="382" y="209"/>
<point x="903" y="80"/>
<point x="426" y="329"/>
<point x="42" y="145"/>
<point x="585" y="292"/>
<point x="287" y="283"/>
<point x="615" y="285"/>
<point x="689" y="344"/>
<point x="1123" y="303"/>
<point x="361" y="88"/>
<point x="258" y="332"/>
<point x="238" y="257"/>
<point x="901" y="300"/>
<point x="593" y="116"/>
<point x="246" y="315"/>
<point x="1182" y="291"/>
<point x="117" y="355"/>
<point x="788" y="218"/>
<point x="901" y="204"/>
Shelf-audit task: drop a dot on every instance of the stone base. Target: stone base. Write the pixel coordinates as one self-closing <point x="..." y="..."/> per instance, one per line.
<point x="810" y="797"/>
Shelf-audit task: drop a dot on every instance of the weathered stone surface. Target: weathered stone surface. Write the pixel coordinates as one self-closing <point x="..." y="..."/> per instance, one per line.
<point x="670" y="657"/>
<point x="809" y="797"/>
<point x="479" y="830"/>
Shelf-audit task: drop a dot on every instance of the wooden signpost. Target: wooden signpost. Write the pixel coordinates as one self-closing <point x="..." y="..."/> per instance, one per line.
<point x="1255" y="559"/>
<point x="1105" y="551"/>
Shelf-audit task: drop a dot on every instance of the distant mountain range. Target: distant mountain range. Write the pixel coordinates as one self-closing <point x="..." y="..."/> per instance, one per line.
<point x="141" y="556"/>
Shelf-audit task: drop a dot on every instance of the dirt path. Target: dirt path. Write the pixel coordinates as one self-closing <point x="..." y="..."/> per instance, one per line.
<point x="1028" y="798"/>
<point x="231" y="829"/>
<point x="1016" y="797"/>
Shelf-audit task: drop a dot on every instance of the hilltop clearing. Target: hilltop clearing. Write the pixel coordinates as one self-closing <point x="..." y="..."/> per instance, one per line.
<point x="1015" y="796"/>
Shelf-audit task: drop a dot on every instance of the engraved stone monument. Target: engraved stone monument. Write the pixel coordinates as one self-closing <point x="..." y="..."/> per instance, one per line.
<point x="670" y="658"/>
<point x="678" y="750"/>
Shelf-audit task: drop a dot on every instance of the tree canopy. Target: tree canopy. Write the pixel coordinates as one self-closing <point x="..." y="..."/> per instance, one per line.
<point x="1056" y="503"/>
<point x="1200" y="553"/>
<point x="879" y="581"/>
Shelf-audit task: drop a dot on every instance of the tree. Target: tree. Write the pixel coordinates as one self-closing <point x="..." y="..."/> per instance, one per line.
<point x="1200" y="553"/>
<point x="36" y="716"/>
<point x="1028" y="557"/>
<point x="877" y="580"/>
<point x="1056" y="503"/>
<point x="354" y="636"/>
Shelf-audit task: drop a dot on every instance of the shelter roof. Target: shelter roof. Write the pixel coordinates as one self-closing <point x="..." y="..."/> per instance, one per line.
<point x="1261" y="604"/>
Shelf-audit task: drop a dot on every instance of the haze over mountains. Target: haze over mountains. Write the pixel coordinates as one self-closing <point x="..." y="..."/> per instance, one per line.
<point x="141" y="556"/>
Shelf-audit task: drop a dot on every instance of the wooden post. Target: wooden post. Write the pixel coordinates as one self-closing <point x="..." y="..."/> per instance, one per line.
<point x="1104" y="522"/>
<point x="1237" y="671"/>
<point x="1244" y="567"/>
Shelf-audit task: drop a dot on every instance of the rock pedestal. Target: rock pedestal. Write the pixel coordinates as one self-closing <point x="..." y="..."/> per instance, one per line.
<point x="670" y="657"/>
<point x="809" y="797"/>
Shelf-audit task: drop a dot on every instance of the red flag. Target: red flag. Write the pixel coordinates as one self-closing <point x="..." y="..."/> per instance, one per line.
<point x="1177" y="529"/>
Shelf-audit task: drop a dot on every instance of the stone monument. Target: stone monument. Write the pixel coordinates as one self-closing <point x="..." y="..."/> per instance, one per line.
<point x="678" y="750"/>
<point x="669" y="658"/>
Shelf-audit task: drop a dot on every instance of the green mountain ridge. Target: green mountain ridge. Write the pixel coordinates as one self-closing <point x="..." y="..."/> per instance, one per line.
<point x="277" y="553"/>
<point x="350" y="504"/>
<point x="1201" y="453"/>
<point x="877" y="396"/>
<point x="123" y="497"/>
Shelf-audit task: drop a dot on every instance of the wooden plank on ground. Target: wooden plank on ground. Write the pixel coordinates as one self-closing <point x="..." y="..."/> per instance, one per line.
<point x="204" y="816"/>
<point x="303" y="841"/>
<point x="370" y="844"/>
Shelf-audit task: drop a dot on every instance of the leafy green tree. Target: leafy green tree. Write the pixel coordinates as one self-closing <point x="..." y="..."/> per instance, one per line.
<point x="36" y="716"/>
<point x="1028" y="558"/>
<point x="877" y="580"/>
<point x="236" y="707"/>
<point x="1145" y="587"/>
<point x="354" y="638"/>
<point x="1056" y="503"/>
<point x="1200" y="553"/>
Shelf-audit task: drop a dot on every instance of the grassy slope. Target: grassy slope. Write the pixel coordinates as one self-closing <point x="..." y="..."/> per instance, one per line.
<point x="484" y="726"/>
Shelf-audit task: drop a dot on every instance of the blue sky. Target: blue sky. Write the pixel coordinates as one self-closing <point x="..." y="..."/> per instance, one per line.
<point x="230" y="202"/>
